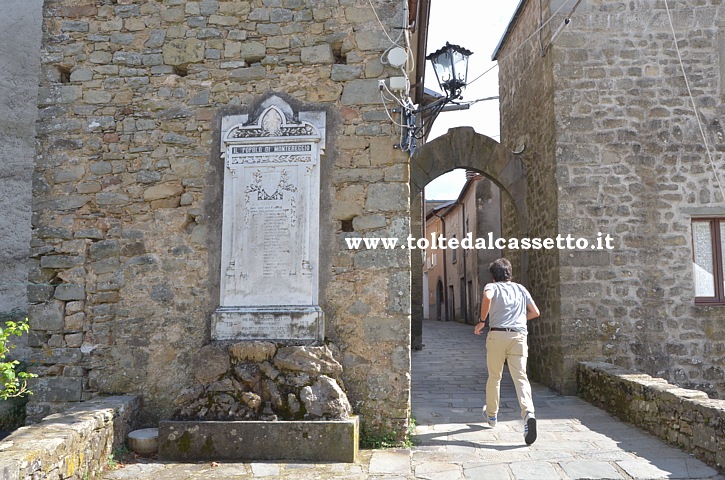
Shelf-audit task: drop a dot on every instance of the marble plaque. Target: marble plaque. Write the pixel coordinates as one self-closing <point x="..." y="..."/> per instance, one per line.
<point x="286" y="324"/>
<point x="270" y="226"/>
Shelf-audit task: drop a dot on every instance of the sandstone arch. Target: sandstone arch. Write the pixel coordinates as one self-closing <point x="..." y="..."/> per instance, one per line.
<point x="462" y="147"/>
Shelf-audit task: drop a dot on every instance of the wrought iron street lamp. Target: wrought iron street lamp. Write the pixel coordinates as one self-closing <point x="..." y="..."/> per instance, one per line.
<point x="451" y="68"/>
<point x="450" y="64"/>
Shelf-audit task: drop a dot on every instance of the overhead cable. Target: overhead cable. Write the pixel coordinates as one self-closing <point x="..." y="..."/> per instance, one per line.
<point x="536" y="32"/>
<point x="694" y="106"/>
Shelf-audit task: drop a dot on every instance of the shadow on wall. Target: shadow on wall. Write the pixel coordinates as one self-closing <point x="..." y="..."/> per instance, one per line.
<point x="20" y="36"/>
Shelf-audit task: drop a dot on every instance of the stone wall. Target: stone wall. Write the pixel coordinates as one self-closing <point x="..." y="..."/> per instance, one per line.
<point x="621" y="153"/>
<point x="527" y="126"/>
<point x="20" y="22"/>
<point x="686" y="418"/>
<point x="631" y="163"/>
<point x="73" y="445"/>
<point x="127" y="219"/>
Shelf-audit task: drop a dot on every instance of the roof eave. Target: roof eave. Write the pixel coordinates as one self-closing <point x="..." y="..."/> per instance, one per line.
<point x="422" y="26"/>
<point x="509" y="29"/>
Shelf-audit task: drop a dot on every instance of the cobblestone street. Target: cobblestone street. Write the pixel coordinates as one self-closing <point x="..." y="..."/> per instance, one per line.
<point x="576" y="440"/>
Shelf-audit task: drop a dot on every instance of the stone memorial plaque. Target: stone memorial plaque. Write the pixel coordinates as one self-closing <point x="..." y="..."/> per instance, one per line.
<point x="270" y="226"/>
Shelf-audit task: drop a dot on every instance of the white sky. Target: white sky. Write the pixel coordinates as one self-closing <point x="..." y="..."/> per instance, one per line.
<point x="477" y="25"/>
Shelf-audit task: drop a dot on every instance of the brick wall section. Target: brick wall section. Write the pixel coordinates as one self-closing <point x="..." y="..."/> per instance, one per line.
<point x="526" y="93"/>
<point x="618" y="147"/>
<point x="72" y="445"/>
<point x="686" y="418"/>
<point x="127" y="219"/>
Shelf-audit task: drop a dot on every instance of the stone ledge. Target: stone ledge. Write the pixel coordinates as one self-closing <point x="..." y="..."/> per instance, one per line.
<point x="317" y="441"/>
<point x="686" y="418"/>
<point x="74" y="444"/>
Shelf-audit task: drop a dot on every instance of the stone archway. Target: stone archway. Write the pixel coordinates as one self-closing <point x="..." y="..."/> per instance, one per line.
<point x="462" y="147"/>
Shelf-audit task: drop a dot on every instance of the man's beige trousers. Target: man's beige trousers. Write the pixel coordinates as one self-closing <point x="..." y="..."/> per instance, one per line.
<point x="512" y="348"/>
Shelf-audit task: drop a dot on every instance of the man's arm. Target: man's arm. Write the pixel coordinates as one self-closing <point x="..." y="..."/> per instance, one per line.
<point x="532" y="311"/>
<point x="485" y="307"/>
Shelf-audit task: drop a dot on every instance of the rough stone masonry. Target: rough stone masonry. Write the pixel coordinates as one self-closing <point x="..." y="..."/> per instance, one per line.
<point x="127" y="191"/>
<point x="612" y="145"/>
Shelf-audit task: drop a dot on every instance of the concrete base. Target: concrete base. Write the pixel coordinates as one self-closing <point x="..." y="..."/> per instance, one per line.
<point x="145" y="441"/>
<point x="318" y="441"/>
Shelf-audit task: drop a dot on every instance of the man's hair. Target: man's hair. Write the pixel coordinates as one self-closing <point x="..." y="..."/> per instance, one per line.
<point x="500" y="270"/>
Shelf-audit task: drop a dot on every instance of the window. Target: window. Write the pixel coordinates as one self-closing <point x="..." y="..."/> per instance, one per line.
<point x="708" y="244"/>
<point x="454" y="257"/>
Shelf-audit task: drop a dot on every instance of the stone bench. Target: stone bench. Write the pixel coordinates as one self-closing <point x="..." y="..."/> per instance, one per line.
<point x="74" y="444"/>
<point x="688" y="419"/>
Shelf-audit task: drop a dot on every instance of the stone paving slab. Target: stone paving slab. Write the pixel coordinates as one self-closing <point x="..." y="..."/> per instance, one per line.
<point x="591" y="469"/>
<point x="390" y="462"/>
<point x="576" y="440"/>
<point x="643" y="470"/>
<point x="532" y="470"/>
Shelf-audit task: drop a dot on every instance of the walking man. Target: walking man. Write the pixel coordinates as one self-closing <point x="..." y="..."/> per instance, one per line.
<point x="508" y="305"/>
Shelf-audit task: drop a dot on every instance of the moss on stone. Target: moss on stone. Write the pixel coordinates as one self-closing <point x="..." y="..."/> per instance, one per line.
<point x="208" y="447"/>
<point x="183" y="444"/>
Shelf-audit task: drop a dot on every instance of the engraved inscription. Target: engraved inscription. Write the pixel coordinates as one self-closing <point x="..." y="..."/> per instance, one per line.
<point x="267" y="149"/>
<point x="277" y="246"/>
<point x="266" y="325"/>
<point x="279" y="325"/>
<point x="252" y="160"/>
<point x="258" y="154"/>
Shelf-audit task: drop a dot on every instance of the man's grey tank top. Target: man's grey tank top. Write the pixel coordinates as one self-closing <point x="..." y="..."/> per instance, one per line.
<point x="508" y="305"/>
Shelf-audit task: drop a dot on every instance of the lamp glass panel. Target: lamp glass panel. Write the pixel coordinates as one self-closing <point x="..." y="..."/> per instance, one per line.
<point x="442" y="66"/>
<point x="460" y="65"/>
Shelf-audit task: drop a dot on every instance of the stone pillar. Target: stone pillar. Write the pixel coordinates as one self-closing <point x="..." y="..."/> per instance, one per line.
<point x="416" y="269"/>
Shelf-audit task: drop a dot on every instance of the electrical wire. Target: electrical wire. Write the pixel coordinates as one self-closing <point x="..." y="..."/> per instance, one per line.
<point x="399" y="101"/>
<point x="394" y="42"/>
<point x="411" y="55"/>
<point x="473" y="102"/>
<point x="387" y="111"/>
<point x="404" y="34"/>
<point x="484" y="73"/>
<point x="428" y="117"/>
<point x="525" y="42"/>
<point x="694" y="106"/>
<point x="541" y="21"/>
